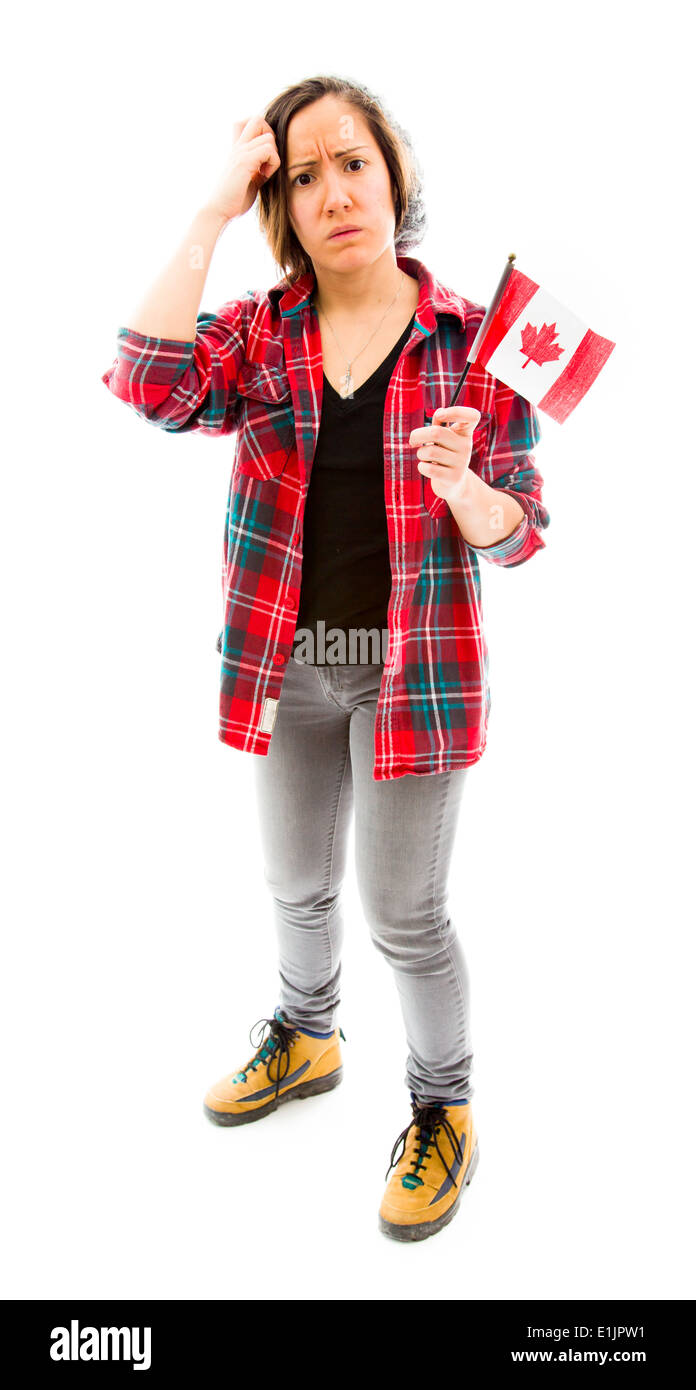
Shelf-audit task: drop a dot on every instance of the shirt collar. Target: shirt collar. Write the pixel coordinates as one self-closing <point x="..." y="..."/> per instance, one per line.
<point x="434" y="298"/>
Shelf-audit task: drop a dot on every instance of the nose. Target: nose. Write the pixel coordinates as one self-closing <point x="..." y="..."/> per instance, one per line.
<point x="336" y="194"/>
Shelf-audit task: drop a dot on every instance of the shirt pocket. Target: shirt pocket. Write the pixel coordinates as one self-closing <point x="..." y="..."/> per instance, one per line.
<point x="266" y="429"/>
<point x="435" y="505"/>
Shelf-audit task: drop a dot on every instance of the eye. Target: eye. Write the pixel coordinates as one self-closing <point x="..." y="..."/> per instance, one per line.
<point x="355" y="160"/>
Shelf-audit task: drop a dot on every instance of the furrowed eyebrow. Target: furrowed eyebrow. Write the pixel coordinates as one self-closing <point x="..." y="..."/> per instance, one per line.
<point x="308" y="163"/>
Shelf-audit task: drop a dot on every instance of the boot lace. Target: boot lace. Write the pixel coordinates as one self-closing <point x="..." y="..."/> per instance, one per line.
<point x="276" y="1043"/>
<point x="429" y="1120"/>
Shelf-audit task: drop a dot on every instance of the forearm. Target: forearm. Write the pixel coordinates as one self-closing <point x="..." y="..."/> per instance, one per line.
<point x="170" y="308"/>
<point x="485" y="515"/>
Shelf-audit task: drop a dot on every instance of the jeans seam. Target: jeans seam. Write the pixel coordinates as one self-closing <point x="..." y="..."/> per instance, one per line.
<point x="332" y="840"/>
<point x="438" y="926"/>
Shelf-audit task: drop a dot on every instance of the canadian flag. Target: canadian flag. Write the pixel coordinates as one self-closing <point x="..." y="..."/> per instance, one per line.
<point x="535" y="345"/>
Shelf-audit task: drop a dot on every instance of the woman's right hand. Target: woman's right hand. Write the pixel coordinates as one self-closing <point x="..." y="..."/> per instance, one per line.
<point x="253" y="160"/>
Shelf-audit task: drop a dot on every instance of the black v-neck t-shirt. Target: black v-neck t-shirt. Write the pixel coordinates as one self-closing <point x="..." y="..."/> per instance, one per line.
<point x="346" y="574"/>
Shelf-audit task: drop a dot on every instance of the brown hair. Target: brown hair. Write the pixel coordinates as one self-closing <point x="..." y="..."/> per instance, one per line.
<point x="393" y="141"/>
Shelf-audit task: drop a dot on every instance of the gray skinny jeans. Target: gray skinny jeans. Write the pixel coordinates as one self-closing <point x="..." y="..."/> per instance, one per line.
<point x="318" y="768"/>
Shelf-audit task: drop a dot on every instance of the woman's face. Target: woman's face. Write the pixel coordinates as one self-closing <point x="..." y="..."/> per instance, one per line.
<point x="347" y="183"/>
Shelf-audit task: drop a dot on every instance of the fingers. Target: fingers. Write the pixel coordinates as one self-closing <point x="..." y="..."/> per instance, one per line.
<point x="459" y="421"/>
<point x="457" y="414"/>
<point x="441" y="436"/>
<point x="250" y="128"/>
<point x="448" y="460"/>
<point x="263" y="148"/>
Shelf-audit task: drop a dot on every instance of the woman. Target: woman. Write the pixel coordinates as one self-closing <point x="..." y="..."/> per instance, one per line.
<point x="350" y="517"/>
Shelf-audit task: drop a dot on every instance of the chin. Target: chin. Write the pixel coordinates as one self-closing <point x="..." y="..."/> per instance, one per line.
<point x="357" y="254"/>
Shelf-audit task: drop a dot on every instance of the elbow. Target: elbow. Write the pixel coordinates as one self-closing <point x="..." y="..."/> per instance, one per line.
<point x="157" y="378"/>
<point x="532" y="543"/>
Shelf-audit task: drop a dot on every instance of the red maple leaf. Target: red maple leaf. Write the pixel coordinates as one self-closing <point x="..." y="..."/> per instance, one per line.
<point x="538" y="345"/>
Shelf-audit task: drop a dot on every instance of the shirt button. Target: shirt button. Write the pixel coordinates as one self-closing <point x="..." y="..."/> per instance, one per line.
<point x="279" y="658"/>
<point x="290" y="603"/>
<point x="296" y="538"/>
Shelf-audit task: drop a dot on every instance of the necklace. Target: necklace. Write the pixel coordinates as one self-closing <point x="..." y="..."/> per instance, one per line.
<point x="346" y="382"/>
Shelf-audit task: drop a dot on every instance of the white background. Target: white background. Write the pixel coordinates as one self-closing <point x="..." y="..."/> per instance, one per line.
<point x="139" y="943"/>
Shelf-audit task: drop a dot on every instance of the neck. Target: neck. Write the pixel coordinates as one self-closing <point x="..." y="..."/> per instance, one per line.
<point x="359" y="294"/>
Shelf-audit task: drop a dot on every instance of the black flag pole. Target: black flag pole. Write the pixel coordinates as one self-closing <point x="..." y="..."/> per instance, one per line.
<point x="473" y="350"/>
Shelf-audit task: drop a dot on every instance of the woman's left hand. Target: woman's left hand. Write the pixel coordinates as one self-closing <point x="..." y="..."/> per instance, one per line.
<point x="445" y="451"/>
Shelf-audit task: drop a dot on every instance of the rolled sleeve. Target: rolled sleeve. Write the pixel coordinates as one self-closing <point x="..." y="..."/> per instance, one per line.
<point x="185" y="385"/>
<point x="507" y="464"/>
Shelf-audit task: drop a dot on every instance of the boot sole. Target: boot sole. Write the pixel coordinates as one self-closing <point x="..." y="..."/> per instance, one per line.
<point x="299" y="1092"/>
<point x="428" y="1228"/>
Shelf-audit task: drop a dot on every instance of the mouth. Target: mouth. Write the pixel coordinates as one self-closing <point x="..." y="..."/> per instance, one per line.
<point x="344" y="231"/>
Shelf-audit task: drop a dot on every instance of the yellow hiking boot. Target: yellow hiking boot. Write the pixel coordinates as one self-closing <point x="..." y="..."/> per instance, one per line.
<point x="290" y="1064"/>
<point x="437" y="1162"/>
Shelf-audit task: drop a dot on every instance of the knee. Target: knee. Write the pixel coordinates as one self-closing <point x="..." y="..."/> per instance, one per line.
<point x="403" y="929"/>
<point x="384" y="909"/>
<point x="302" y="892"/>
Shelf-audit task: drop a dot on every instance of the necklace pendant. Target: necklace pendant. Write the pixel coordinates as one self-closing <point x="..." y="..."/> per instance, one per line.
<point x="347" y="386"/>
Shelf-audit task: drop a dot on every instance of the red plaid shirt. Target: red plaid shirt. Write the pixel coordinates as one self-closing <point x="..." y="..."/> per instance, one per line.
<point x="256" y="369"/>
